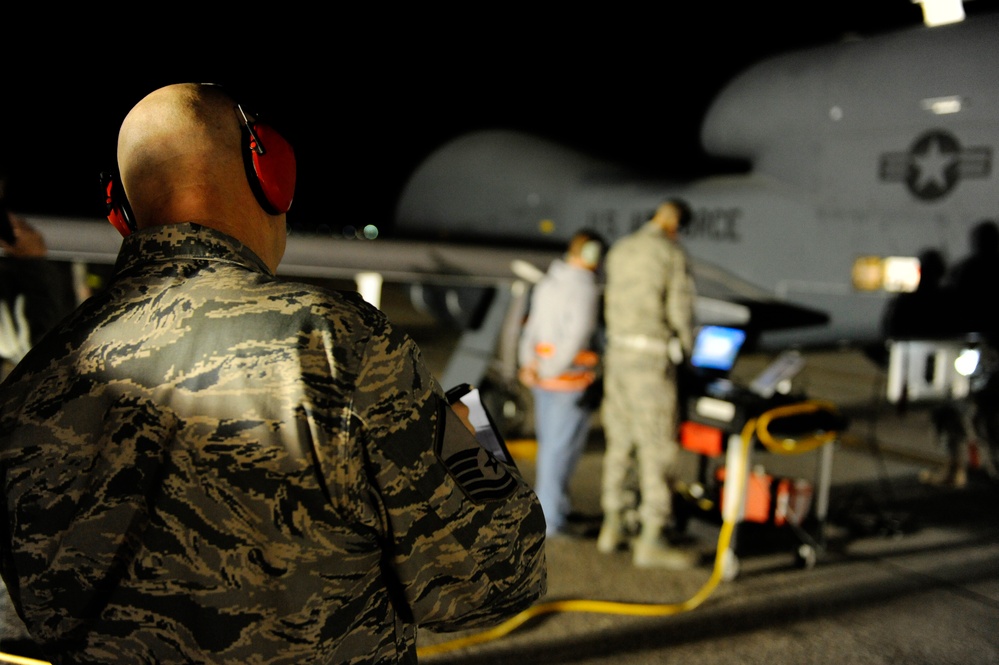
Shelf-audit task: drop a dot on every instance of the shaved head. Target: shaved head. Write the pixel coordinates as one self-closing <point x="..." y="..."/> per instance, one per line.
<point x="180" y="156"/>
<point x="672" y="216"/>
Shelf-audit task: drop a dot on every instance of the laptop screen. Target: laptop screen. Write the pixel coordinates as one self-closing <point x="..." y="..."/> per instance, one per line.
<point x="716" y="348"/>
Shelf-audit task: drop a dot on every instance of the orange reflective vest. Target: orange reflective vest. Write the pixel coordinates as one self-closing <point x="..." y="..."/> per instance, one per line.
<point x="582" y="373"/>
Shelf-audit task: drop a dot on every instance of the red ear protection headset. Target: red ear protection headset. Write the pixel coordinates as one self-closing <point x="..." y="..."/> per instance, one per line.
<point x="270" y="165"/>
<point x="116" y="205"/>
<point x="270" y="169"/>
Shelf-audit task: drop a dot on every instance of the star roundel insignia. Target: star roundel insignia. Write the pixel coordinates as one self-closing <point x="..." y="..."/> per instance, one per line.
<point x="934" y="165"/>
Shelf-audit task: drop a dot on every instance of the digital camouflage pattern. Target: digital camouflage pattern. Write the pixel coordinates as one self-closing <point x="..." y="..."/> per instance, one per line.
<point x="649" y="289"/>
<point x="648" y="299"/>
<point x="206" y="464"/>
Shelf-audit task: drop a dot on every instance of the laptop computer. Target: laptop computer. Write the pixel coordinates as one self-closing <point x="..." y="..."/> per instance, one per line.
<point x="709" y="393"/>
<point x="716" y="348"/>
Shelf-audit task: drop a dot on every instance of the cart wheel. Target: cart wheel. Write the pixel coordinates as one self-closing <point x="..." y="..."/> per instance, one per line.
<point x="730" y="566"/>
<point x="805" y="556"/>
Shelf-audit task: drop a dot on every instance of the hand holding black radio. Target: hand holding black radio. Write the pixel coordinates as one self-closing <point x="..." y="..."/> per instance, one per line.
<point x="482" y="422"/>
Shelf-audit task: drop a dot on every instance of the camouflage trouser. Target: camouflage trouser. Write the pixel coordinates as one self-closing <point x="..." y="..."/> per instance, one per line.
<point x="639" y="416"/>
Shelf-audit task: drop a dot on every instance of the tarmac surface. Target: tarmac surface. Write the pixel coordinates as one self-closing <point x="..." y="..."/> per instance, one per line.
<point x="902" y="572"/>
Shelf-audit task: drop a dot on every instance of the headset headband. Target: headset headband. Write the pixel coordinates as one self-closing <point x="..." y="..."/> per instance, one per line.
<point x="269" y="162"/>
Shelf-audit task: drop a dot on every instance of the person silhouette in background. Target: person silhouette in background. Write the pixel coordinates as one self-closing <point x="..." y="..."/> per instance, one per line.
<point x="34" y="291"/>
<point x="971" y="288"/>
<point x="927" y="312"/>
<point x="558" y="362"/>
<point x="974" y="281"/>
<point x="957" y="304"/>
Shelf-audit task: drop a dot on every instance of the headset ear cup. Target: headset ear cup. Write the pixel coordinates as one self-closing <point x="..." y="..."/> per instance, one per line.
<point x="591" y="253"/>
<point x="271" y="174"/>
<point x="119" y="213"/>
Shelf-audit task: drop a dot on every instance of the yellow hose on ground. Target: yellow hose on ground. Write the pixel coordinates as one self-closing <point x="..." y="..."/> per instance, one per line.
<point x="604" y="606"/>
<point x="21" y="660"/>
<point x="793" y="446"/>
<point x="755" y="426"/>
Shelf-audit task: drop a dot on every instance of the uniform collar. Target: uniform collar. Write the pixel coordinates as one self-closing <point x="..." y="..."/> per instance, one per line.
<point x="188" y="241"/>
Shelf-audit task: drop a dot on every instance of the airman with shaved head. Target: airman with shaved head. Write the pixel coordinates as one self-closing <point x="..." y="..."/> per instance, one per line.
<point x="205" y="463"/>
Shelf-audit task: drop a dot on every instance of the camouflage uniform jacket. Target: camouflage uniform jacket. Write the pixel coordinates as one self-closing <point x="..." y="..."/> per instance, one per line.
<point x="206" y="464"/>
<point x="649" y="294"/>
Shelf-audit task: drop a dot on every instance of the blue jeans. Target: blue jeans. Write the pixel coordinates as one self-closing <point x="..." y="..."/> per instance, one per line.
<point x="561" y="427"/>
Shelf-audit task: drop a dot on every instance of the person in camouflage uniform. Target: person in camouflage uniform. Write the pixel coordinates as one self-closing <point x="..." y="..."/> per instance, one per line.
<point x="648" y="311"/>
<point x="206" y="464"/>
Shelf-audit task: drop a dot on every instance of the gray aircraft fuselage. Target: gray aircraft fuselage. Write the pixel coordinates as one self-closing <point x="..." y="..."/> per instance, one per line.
<point x="876" y="147"/>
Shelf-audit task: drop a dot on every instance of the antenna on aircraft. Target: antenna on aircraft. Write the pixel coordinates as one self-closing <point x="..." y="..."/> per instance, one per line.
<point x="941" y="12"/>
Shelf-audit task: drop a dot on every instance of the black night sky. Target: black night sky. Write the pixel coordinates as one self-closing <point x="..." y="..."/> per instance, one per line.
<point x="366" y="94"/>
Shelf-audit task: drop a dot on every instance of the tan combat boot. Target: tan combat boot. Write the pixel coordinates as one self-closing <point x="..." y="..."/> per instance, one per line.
<point x="612" y="534"/>
<point x="652" y="550"/>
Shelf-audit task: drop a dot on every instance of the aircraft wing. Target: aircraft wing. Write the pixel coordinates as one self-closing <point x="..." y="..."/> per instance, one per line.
<point x="321" y="257"/>
<point x="722" y="297"/>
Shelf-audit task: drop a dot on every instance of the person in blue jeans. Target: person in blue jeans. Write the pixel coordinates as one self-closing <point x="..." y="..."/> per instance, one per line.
<point x="558" y="362"/>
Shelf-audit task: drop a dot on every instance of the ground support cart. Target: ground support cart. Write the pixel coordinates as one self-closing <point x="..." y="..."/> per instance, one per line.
<point x="730" y="428"/>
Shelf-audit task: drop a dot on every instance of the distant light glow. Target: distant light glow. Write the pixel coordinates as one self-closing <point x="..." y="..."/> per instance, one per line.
<point x="890" y="273"/>
<point x="942" y="105"/>
<point x="941" y="12"/>
<point x="370" y="231"/>
<point x="547" y="226"/>
<point x="901" y="273"/>
<point x="867" y="273"/>
<point x="967" y="362"/>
